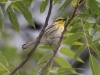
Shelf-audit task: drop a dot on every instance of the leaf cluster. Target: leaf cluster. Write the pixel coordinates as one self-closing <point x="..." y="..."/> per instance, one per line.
<point x="10" y="7"/>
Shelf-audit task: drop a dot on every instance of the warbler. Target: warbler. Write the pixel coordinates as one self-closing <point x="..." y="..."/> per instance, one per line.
<point x="51" y="35"/>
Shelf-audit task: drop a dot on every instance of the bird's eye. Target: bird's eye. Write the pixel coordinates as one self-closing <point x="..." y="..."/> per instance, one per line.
<point x="59" y="19"/>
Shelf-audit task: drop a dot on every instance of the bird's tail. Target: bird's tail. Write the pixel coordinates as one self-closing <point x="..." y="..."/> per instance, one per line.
<point x="27" y="45"/>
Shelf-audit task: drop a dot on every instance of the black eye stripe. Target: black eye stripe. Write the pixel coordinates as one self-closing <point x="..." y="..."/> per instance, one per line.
<point x="58" y="20"/>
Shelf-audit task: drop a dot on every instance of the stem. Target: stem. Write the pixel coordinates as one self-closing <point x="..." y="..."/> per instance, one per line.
<point x="85" y="36"/>
<point x="50" y="67"/>
<point x="37" y="42"/>
<point x="4" y="67"/>
<point x="59" y="42"/>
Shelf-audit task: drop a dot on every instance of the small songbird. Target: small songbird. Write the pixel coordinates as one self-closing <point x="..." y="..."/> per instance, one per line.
<point x="51" y="35"/>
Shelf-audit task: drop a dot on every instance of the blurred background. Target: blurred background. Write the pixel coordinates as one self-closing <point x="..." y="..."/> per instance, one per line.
<point x="11" y="42"/>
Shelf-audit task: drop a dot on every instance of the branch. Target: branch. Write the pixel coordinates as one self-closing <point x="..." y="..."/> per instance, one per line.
<point x="59" y="43"/>
<point x="37" y="42"/>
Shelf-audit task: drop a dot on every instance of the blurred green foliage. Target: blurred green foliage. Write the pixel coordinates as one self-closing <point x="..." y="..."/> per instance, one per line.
<point x="82" y="32"/>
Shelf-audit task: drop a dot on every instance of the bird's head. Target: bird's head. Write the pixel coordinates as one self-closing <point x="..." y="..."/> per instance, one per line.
<point x="59" y="21"/>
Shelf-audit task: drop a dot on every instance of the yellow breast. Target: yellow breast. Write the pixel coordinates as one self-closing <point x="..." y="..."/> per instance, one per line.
<point x="61" y="26"/>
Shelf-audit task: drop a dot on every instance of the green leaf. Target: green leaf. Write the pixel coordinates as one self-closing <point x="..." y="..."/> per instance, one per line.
<point x="83" y="16"/>
<point x="8" y="3"/>
<point x="1" y="20"/>
<point x="24" y="10"/>
<point x="63" y="63"/>
<point x="15" y="7"/>
<point x="91" y="31"/>
<point x="74" y="21"/>
<point x="95" y="67"/>
<point x="96" y="36"/>
<point x="76" y="25"/>
<point x="27" y="2"/>
<point x="44" y="58"/>
<point x="47" y="47"/>
<point x="13" y="18"/>
<point x="69" y="53"/>
<point x="43" y="5"/>
<point x="95" y="49"/>
<point x="91" y="20"/>
<point x="79" y="51"/>
<point x="61" y="69"/>
<point x="74" y="2"/>
<point x="5" y="73"/>
<point x="6" y="67"/>
<point x="89" y="39"/>
<point x="69" y="28"/>
<point x="72" y="38"/>
<point x="3" y="64"/>
<point x="65" y="4"/>
<point x="54" y="70"/>
<point x="11" y="67"/>
<point x="92" y="4"/>
<point x="2" y="71"/>
<point x="68" y="34"/>
<point x="88" y="26"/>
<point x="97" y="26"/>
<point x="55" y="1"/>
<point x="77" y="43"/>
<point x="2" y="57"/>
<point x="65" y="71"/>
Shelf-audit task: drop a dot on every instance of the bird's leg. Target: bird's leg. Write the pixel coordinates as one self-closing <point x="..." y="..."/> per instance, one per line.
<point x="51" y="47"/>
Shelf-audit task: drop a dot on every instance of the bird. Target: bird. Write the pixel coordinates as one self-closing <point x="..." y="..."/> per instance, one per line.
<point x="51" y="35"/>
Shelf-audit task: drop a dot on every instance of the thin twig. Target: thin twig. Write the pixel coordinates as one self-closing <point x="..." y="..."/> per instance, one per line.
<point x="49" y="69"/>
<point x="81" y="2"/>
<point x="59" y="43"/>
<point x="36" y="44"/>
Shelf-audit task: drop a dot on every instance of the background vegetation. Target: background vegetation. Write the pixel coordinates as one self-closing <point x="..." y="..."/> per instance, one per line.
<point x="80" y="43"/>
